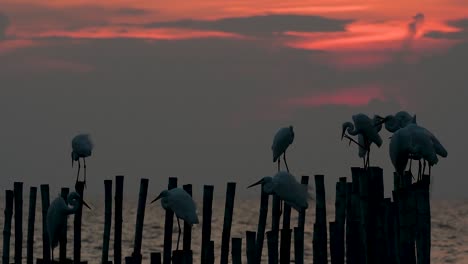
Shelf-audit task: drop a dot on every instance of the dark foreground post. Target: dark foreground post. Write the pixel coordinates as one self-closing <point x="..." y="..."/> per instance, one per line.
<point x="206" y="225"/>
<point x="9" y="196"/>
<point x="275" y="222"/>
<point x="261" y="225"/>
<point x="228" y="210"/>
<point x="31" y="220"/>
<point x="77" y="225"/>
<point x="285" y="243"/>
<point x="136" y="255"/>
<point x="211" y="256"/>
<point x="155" y="258"/>
<point x="45" y="235"/>
<point x="119" y="183"/>
<point x="423" y="232"/>
<point x="63" y="240"/>
<point x="18" y="191"/>
<point x="250" y="241"/>
<point x="299" y="245"/>
<point x="272" y="242"/>
<point x="340" y="216"/>
<point x="168" y="226"/>
<point x="320" y="226"/>
<point x="107" y="220"/>
<point x="236" y="252"/>
<point x="187" y="240"/>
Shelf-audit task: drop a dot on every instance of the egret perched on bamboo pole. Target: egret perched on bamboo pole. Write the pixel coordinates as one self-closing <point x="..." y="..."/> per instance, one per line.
<point x="57" y="216"/>
<point x="82" y="147"/>
<point x="283" y="138"/>
<point x="181" y="203"/>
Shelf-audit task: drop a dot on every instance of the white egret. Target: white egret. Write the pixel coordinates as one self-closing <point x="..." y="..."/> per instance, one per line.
<point x="283" y="138"/>
<point x="397" y="121"/>
<point x="82" y="147"/>
<point x="415" y="142"/>
<point x="57" y="216"/>
<point x="181" y="203"/>
<point x="287" y="188"/>
<point x="367" y="130"/>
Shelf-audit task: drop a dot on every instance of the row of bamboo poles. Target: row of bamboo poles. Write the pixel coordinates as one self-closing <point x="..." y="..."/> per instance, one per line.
<point x="367" y="228"/>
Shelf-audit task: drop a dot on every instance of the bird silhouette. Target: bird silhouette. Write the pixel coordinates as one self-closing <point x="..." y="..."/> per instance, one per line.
<point x="181" y="203"/>
<point x="57" y="216"/>
<point x="367" y="130"/>
<point x="397" y="121"/>
<point x="287" y="188"/>
<point x="415" y="142"/>
<point x="283" y="138"/>
<point x="82" y="147"/>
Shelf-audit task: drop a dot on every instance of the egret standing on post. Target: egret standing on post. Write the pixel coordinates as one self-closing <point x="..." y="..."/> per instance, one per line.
<point x="368" y="132"/>
<point x="57" y="217"/>
<point x="181" y="203"/>
<point x="283" y="138"/>
<point x="287" y="188"/>
<point x="82" y="147"/>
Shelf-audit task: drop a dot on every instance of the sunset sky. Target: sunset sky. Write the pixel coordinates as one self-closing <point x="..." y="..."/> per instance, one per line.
<point x="197" y="89"/>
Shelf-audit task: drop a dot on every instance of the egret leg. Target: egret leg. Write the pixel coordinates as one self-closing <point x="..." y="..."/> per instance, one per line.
<point x="78" y="174"/>
<point x="285" y="163"/>
<point x="279" y="160"/>
<point x="178" y="238"/>
<point x="84" y="166"/>
<point x="430" y="171"/>
<point x="424" y="170"/>
<point x="419" y="170"/>
<point x="410" y="164"/>
<point x="281" y="207"/>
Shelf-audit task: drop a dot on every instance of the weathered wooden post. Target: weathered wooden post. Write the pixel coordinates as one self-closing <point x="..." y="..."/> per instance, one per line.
<point x="229" y="208"/>
<point x="364" y="211"/>
<point x="136" y="255"/>
<point x="206" y="225"/>
<point x="272" y="242"/>
<point x="155" y="258"/>
<point x="118" y="219"/>
<point x="210" y="256"/>
<point x="187" y="239"/>
<point x="45" y="236"/>
<point x="250" y="247"/>
<point x="333" y="243"/>
<point x="236" y="252"/>
<point x="107" y="220"/>
<point x="340" y="216"/>
<point x="168" y="226"/>
<point x="18" y="191"/>
<point x="79" y="186"/>
<point x="320" y="226"/>
<point x="376" y="205"/>
<point x="299" y="233"/>
<point x="63" y="240"/>
<point x="31" y="220"/>
<point x="9" y="198"/>
<point x="275" y="222"/>
<point x="285" y="243"/>
<point x="261" y="225"/>
<point x="423" y="239"/>
<point x="388" y="230"/>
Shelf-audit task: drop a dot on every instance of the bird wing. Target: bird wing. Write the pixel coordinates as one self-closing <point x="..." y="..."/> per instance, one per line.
<point x="439" y="148"/>
<point x="399" y="149"/>
<point x="283" y="138"/>
<point x="56" y="220"/>
<point x="182" y="204"/>
<point x="291" y="191"/>
<point x="365" y="126"/>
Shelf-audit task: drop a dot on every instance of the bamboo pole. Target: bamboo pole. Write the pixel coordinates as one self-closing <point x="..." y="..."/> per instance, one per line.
<point x="275" y="222"/>
<point x="285" y="245"/>
<point x="9" y="199"/>
<point x="250" y="247"/>
<point x="155" y="258"/>
<point x="272" y="242"/>
<point x="340" y="216"/>
<point x="45" y="236"/>
<point x="298" y="245"/>
<point x="118" y="219"/>
<point x="423" y="241"/>
<point x="261" y="225"/>
<point x="187" y="239"/>
<point x="320" y="226"/>
<point x="18" y="191"/>
<point x="107" y="220"/>
<point x="333" y="243"/>
<point x="168" y="226"/>
<point x="236" y="251"/>
<point x="228" y="211"/>
<point x="77" y="225"/>
<point x="136" y="255"/>
<point x="31" y="220"/>
<point x="210" y="256"/>
<point x="63" y="240"/>
<point x="206" y="225"/>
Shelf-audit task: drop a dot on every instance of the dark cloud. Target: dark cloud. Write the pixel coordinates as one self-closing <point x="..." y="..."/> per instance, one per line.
<point x="462" y="24"/>
<point x="413" y="27"/>
<point x="4" y="24"/>
<point x="261" y="25"/>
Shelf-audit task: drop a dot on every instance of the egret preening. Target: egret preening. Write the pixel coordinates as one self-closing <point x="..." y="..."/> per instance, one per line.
<point x="367" y="131"/>
<point x="415" y="142"/>
<point x="397" y="121"/>
<point x="82" y="147"/>
<point x="181" y="203"/>
<point x="283" y="138"/>
<point x="57" y="216"/>
<point x="287" y="188"/>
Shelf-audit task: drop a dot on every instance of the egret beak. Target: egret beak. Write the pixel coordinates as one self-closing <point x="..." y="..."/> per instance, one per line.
<point x="381" y="120"/>
<point x="343" y="133"/>
<point x="157" y="198"/>
<point x="85" y="204"/>
<point x="257" y="183"/>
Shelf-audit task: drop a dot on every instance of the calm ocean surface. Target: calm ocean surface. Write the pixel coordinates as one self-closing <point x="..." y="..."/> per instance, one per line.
<point x="449" y="230"/>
